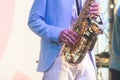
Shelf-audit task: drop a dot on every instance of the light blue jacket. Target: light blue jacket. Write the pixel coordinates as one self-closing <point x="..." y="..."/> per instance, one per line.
<point x="47" y="18"/>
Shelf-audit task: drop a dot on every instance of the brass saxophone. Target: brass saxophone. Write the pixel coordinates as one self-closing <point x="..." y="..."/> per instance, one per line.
<point x="88" y="29"/>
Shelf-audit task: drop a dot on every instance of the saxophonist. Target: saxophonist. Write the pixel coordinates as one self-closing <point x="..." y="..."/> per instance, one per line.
<point x="52" y="21"/>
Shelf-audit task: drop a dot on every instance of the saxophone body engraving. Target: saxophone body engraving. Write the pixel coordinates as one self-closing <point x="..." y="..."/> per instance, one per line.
<point x="88" y="29"/>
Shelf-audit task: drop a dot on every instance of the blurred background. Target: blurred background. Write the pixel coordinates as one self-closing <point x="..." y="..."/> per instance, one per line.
<point x="19" y="47"/>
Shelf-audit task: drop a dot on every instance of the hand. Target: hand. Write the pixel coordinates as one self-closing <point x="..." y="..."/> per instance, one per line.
<point x="94" y="9"/>
<point x="68" y="37"/>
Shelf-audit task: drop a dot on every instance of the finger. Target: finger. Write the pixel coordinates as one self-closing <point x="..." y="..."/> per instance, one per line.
<point x="73" y="33"/>
<point x="64" y="38"/>
<point x="95" y="9"/>
<point x="94" y="12"/>
<point x="95" y="4"/>
<point x="70" y="39"/>
<point x="67" y="43"/>
<point x="94" y="16"/>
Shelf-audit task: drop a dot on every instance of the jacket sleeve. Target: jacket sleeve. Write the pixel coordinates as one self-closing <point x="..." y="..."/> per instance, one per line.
<point x="37" y="24"/>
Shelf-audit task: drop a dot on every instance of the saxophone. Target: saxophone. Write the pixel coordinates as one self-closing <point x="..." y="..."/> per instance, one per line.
<point x="88" y="29"/>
